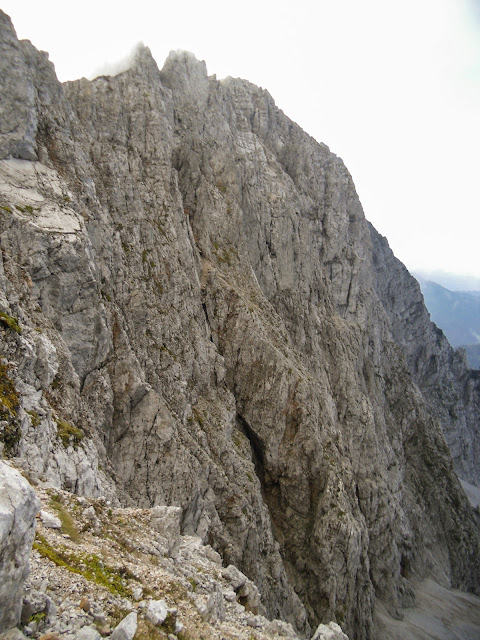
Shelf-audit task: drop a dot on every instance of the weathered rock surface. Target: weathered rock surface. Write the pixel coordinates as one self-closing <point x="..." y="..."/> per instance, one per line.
<point x="451" y="389"/>
<point x="18" y="507"/>
<point x="207" y="322"/>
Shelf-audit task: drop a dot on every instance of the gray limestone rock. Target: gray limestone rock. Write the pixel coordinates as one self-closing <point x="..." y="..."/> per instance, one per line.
<point x="211" y="608"/>
<point x="330" y="631"/>
<point x="87" y="633"/>
<point x="126" y="629"/>
<point x="18" y="115"/>
<point x="157" y="611"/>
<point x="12" y="634"/>
<point x="49" y="520"/>
<point x="166" y="520"/>
<point x="236" y="578"/>
<point x="18" y="507"/>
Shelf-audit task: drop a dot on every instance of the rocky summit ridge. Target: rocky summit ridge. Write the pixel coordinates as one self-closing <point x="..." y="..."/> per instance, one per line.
<point x="195" y="313"/>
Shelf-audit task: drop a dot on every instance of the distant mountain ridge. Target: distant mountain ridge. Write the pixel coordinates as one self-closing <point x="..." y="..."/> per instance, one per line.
<point x="473" y="355"/>
<point x="450" y="281"/>
<point x="457" y="313"/>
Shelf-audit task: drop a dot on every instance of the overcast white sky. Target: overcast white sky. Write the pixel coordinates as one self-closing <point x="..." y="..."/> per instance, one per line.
<point x="393" y="88"/>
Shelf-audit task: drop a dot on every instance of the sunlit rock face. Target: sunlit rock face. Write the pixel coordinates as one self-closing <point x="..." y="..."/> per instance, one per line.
<point x="201" y="297"/>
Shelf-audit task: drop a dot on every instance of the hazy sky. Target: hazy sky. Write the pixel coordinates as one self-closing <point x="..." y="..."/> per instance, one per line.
<point x="393" y="88"/>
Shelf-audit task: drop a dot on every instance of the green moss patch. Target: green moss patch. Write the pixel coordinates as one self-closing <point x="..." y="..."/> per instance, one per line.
<point x="68" y="523"/>
<point x="9" y="403"/>
<point x="69" y="434"/>
<point x="90" y="566"/>
<point x="10" y="322"/>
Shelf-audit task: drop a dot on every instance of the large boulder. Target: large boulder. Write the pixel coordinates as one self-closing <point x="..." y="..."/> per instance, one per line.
<point x="18" y="507"/>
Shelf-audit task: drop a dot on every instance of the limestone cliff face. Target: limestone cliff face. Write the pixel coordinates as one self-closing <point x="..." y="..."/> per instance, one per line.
<point x="205" y="323"/>
<point x="451" y="389"/>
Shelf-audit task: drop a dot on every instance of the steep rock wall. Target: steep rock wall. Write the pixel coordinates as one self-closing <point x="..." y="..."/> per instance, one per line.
<point x="451" y="389"/>
<point x="201" y="272"/>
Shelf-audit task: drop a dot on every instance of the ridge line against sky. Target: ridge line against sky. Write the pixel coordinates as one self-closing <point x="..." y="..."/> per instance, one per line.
<point x="393" y="89"/>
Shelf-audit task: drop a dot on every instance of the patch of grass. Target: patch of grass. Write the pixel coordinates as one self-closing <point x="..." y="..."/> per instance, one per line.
<point x="7" y="209"/>
<point x="198" y="417"/>
<point x="37" y="617"/>
<point x="146" y="630"/>
<point x="25" y="209"/>
<point x="90" y="566"/>
<point x="117" y="615"/>
<point x="223" y="257"/>
<point x="34" y="418"/>
<point x="10" y="322"/>
<point x="161" y="229"/>
<point x="169" y="624"/>
<point x="68" y="523"/>
<point x="68" y="434"/>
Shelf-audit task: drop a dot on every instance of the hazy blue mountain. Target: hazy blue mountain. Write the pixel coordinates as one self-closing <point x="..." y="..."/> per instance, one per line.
<point x="451" y="281"/>
<point x="473" y="355"/>
<point x="457" y="313"/>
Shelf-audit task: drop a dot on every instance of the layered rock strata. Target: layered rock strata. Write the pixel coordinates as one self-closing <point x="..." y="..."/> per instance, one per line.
<point x="205" y="321"/>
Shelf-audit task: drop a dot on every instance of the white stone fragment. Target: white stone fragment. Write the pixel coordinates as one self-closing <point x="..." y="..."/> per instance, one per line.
<point x="157" y="612"/>
<point x="330" y="631"/>
<point x="126" y="629"/>
<point x="49" y="520"/>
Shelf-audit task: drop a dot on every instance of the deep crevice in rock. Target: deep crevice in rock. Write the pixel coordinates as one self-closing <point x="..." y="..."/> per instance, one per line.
<point x="257" y="449"/>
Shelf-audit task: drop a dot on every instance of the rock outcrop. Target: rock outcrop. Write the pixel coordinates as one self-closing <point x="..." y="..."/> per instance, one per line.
<point x="18" y="507"/>
<point x="197" y="314"/>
